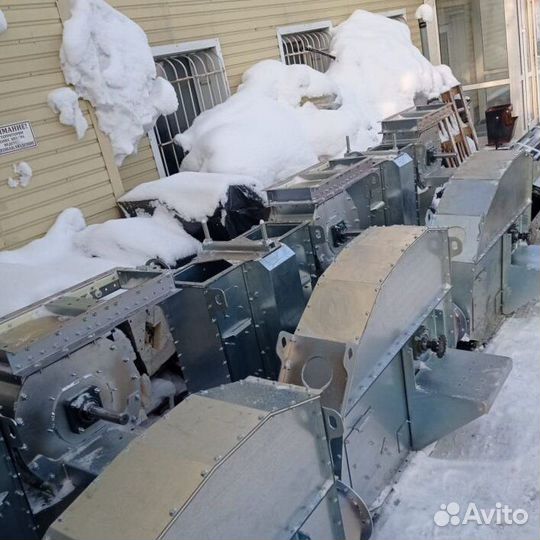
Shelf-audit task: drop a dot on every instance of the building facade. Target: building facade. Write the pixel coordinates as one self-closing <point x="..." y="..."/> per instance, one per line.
<point x="203" y="47"/>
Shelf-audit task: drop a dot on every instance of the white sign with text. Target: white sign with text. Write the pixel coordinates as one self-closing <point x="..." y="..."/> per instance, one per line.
<point x="16" y="137"/>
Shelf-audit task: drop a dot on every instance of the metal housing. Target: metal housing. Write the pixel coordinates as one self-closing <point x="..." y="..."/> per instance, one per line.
<point x="416" y="133"/>
<point x="239" y="295"/>
<point x="357" y="344"/>
<point x="252" y="445"/>
<point x="484" y="200"/>
<point x="340" y="197"/>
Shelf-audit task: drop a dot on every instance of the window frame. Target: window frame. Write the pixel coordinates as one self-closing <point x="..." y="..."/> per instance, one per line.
<point x="162" y="51"/>
<point x="394" y="13"/>
<point x="282" y="31"/>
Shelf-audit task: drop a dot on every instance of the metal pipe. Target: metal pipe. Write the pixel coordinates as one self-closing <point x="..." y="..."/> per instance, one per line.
<point x="424" y="38"/>
<point x="264" y="233"/>
<point x="206" y="230"/>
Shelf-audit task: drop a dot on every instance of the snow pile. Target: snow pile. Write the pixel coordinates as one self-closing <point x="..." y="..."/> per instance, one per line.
<point x="424" y="13"/>
<point x="22" y="176"/>
<point x="3" y="22"/>
<point x="379" y="70"/>
<point x="194" y="196"/>
<point x="133" y="241"/>
<point x="287" y="84"/>
<point x="71" y="252"/>
<point x="47" y="265"/>
<point x="272" y="127"/>
<point x="65" y="101"/>
<point x="106" y="57"/>
<point x="250" y="134"/>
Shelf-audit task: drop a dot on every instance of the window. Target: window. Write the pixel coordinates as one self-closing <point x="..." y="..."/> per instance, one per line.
<point x="396" y="14"/>
<point x="307" y="44"/>
<point x="197" y="73"/>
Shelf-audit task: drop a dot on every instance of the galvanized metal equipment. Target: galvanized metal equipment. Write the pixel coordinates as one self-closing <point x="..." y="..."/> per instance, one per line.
<point x="85" y="375"/>
<point x="392" y="183"/>
<point x="246" y="460"/>
<point x="341" y="197"/>
<point x="232" y="301"/>
<point x="417" y="132"/>
<point x="81" y="372"/>
<point x="382" y="354"/>
<point x="74" y="387"/>
<point x="486" y="205"/>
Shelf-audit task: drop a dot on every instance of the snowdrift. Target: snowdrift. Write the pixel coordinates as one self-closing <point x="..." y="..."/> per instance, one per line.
<point x="272" y="127"/>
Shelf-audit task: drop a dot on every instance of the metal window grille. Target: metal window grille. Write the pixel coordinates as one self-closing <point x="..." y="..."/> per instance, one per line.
<point x="399" y="15"/>
<point x="200" y="82"/>
<point x="400" y="18"/>
<point x="311" y="48"/>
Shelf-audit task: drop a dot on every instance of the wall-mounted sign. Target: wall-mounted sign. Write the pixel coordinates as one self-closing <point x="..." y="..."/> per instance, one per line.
<point x="16" y="137"/>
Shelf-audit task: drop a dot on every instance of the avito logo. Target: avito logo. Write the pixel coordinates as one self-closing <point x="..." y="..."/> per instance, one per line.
<point x="450" y="514"/>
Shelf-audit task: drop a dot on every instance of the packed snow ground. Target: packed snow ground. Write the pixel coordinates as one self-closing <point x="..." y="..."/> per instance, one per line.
<point x="495" y="459"/>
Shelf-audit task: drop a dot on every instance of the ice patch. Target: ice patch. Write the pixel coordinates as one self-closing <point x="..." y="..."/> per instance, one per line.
<point x="65" y="101"/>
<point x="106" y="57"/>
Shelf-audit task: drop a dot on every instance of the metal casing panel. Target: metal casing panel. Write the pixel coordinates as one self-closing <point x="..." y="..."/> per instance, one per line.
<point x="36" y="336"/>
<point x="217" y="342"/>
<point x="340" y="305"/>
<point x="487" y="293"/>
<point x="276" y="299"/>
<point x="196" y="340"/>
<point x="353" y="212"/>
<point x="298" y="238"/>
<point x="361" y="305"/>
<point x="400" y="190"/>
<point x="108" y="364"/>
<point x="493" y="186"/>
<point x="377" y="437"/>
<point x="410" y="123"/>
<point x="398" y="309"/>
<point x="262" y="445"/>
<point x="16" y="520"/>
<point x="450" y="393"/>
<point x="320" y="182"/>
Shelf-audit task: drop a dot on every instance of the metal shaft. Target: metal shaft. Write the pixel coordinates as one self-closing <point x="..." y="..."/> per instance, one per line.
<point x="104" y="414"/>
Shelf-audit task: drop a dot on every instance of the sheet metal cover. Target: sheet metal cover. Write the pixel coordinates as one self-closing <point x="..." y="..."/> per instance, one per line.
<point x="348" y="297"/>
<point x="138" y="494"/>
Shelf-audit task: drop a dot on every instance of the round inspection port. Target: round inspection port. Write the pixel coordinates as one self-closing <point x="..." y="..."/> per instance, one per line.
<point x="317" y="373"/>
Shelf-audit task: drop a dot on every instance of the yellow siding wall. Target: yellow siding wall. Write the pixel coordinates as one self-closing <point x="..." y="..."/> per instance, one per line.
<point x="68" y="172"/>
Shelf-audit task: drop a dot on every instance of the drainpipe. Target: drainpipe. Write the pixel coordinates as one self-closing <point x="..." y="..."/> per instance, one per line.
<point x="424" y="38"/>
<point x="425" y="10"/>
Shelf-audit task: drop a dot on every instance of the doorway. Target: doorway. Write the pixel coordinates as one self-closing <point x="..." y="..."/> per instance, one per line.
<point x="491" y="47"/>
